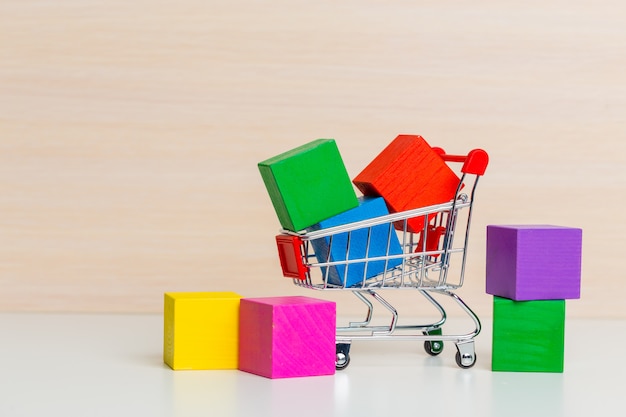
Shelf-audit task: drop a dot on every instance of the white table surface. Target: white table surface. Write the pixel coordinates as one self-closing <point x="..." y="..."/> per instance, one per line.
<point x="111" y="365"/>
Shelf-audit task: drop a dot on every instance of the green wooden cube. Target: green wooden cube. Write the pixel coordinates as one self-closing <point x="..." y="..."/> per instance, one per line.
<point x="528" y="336"/>
<point x="308" y="184"/>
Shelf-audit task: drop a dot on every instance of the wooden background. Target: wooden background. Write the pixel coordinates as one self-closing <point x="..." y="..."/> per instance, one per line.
<point x="130" y="133"/>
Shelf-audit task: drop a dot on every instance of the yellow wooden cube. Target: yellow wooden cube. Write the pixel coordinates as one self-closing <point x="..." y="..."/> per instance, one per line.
<point x="201" y="330"/>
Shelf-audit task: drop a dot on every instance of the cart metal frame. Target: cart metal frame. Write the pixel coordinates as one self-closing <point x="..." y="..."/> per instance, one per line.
<point x="432" y="262"/>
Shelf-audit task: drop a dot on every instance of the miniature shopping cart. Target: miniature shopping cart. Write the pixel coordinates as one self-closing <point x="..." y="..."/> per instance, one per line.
<point x="430" y="260"/>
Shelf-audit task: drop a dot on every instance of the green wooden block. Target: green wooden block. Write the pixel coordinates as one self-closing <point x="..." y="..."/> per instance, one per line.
<point x="528" y="336"/>
<point x="308" y="184"/>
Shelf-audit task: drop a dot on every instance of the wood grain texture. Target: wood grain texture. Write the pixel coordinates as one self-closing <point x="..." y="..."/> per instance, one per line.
<point x="533" y="262"/>
<point x="528" y="336"/>
<point x="201" y="330"/>
<point x="308" y="184"/>
<point x="408" y="174"/>
<point x="130" y="134"/>
<point x="287" y="337"/>
<point x="364" y="243"/>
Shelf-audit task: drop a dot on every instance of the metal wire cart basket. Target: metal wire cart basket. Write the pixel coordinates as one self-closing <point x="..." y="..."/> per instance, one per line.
<point x="430" y="260"/>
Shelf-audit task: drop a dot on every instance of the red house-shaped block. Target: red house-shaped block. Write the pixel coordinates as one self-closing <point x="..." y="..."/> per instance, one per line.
<point x="408" y="174"/>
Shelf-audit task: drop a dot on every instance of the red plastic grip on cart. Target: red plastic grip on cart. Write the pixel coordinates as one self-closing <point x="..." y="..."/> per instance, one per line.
<point x="475" y="162"/>
<point x="290" y="255"/>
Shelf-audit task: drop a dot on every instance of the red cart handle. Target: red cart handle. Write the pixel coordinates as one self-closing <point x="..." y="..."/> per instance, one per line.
<point x="475" y="162"/>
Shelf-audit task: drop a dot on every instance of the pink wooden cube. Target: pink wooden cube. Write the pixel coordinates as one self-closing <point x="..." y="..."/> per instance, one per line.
<point x="286" y="337"/>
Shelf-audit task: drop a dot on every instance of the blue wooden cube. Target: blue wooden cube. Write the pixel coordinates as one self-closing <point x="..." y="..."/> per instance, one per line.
<point x="380" y="240"/>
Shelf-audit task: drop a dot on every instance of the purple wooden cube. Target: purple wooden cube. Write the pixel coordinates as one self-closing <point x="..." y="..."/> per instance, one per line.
<point x="534" y="262"/>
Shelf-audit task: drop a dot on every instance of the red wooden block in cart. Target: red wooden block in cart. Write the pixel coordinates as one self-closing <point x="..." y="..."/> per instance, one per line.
<point x="286" y="337"/>
<point x="408" y="174"/>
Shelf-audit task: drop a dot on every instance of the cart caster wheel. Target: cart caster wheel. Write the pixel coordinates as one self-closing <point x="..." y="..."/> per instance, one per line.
<point x="466" y="360"/>
<point x="433" y="347"/>
<point x="343" y="356"/>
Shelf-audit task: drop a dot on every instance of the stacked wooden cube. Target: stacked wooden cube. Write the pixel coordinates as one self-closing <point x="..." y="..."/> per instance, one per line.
<point x="310" y="189"/>
<point x="531" y="270"/>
